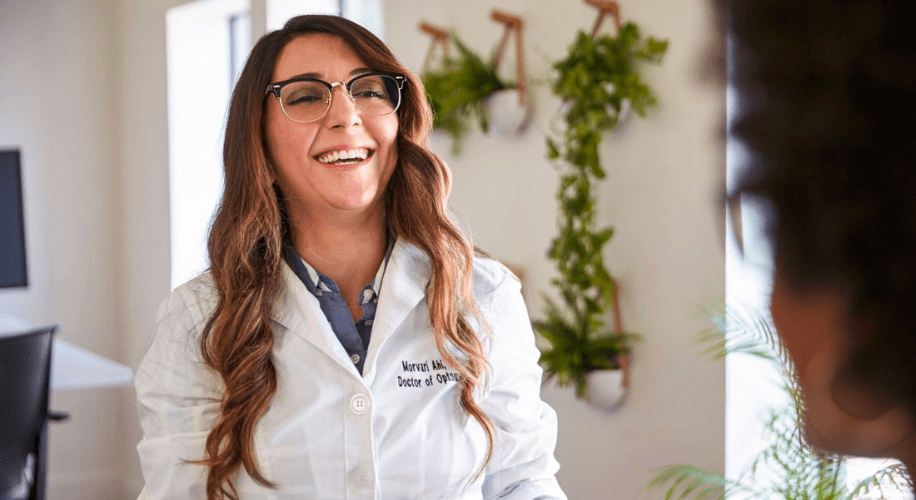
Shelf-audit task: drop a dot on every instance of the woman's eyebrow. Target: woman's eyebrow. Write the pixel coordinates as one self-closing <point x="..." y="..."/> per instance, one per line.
<point x="318" y="76"/>
<point x="305" y="75"/>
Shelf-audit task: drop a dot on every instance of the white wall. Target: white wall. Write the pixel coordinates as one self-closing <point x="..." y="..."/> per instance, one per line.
<point x="59" y="104"/>
<point x="96" y="186"/>
<point x="664" y="175"/>
<point x="143" y="159"/>
<point x="84" y="93"/>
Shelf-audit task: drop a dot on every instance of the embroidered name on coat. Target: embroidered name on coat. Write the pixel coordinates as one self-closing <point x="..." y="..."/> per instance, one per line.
<point x="442" y="375"/>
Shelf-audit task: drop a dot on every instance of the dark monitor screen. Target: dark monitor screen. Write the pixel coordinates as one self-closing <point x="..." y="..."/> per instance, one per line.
<point x="12" y="229"/>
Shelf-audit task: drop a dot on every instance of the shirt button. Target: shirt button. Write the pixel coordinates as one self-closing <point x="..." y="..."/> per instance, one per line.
<point x="359" y="404"/>
<point x="362" y="477"/>
<point x="354" y="358"/>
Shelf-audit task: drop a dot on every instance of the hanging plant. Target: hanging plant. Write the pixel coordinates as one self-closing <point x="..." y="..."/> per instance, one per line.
<point x="594" y="80"/>
<point x="458" y="90"/>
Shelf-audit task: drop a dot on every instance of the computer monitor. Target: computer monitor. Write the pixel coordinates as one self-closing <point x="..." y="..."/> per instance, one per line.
<point x="12" y="227"/>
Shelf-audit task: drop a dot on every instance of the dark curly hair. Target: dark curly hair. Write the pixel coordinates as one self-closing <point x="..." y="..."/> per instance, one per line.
<point x="829" y="115"/>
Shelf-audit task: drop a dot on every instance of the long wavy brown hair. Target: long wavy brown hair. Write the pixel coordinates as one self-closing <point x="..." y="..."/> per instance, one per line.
<point x="251" y="228"/>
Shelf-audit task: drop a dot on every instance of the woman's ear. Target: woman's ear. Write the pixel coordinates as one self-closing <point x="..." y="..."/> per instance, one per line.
<point x="847" y="416"/>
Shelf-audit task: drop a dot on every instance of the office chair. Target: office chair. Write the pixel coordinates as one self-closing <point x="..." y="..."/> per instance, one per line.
<point x="25" y="372"/>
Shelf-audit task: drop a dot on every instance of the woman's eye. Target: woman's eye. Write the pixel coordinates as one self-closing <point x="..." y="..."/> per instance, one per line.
<point x="305" y="94"/>
<point x="369" y="94"/>
<point x="304" y="99"/>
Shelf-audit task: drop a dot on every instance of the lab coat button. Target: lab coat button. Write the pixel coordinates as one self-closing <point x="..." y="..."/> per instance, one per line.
<point x="354" y="358"/>
<point x="359" y="404"/>
<point x="362" y="477"/>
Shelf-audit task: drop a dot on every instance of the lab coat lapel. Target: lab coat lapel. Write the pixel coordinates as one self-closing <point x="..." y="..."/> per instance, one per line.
<point x="403" y="288"/>
<point x="299" y="311"/>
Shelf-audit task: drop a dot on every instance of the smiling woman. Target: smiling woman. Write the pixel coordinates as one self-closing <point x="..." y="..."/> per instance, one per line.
<point x="335" y="265"/>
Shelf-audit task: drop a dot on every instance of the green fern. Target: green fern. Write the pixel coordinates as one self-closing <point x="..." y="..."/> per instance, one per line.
<point x="801" y="472"/>
<point x="457" y="92"/>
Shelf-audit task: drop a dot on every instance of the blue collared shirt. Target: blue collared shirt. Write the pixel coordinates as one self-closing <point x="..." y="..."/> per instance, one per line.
<point x="353" y="336"/>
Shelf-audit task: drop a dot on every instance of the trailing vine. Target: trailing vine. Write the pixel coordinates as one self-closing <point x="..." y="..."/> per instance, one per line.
<point x="594" y="79"/>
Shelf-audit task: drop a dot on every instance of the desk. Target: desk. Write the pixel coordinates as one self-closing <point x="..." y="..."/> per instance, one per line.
<point x="73" y="367"/>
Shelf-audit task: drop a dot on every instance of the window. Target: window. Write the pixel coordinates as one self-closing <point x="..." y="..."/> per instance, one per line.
<point x="200" y="36"/>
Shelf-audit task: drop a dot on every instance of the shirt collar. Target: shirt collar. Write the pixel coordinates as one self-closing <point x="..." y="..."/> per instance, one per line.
<point x="313" y="275"/>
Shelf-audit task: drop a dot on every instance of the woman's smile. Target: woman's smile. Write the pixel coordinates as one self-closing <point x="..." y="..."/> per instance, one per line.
<point x="345" y="157"/>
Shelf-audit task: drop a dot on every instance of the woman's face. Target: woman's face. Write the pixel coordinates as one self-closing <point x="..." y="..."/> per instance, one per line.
<point x="841" y="415"/>
<point x="809" y="326"/>
<point x="312" y="180"/>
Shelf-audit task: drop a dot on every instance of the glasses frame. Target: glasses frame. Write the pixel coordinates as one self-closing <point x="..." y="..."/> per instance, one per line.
<point x="277" y="88"/>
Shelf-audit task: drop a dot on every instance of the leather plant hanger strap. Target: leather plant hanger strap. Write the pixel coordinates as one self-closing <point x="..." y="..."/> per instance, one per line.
<point x="605" y="7"/>
<point x="441" y="37"/>
<point x="512" y="23"/>
<point x="623" y="358"/>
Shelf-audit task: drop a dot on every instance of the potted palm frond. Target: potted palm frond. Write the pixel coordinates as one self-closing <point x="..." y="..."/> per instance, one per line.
<point x="593" y="81"/>
<point x="458" y="92"/>
<point x="787" y="468"/>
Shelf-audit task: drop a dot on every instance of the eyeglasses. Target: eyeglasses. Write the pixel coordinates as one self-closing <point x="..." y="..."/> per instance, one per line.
<point x="308" y="99"/>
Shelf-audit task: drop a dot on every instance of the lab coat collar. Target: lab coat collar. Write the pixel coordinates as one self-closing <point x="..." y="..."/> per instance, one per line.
<point x="403" y="288"/>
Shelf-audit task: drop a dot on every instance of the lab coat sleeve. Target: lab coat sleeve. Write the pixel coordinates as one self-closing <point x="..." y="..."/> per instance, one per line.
<point x="523" y="466"/>
<point x="178" y="398"/>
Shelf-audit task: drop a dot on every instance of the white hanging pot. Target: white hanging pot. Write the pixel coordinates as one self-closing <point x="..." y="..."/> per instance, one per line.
<point x="606" y="389"/>
<point x="626" y="107"/>
<point x="626" y="110"/>
<point x="505" y="114"/>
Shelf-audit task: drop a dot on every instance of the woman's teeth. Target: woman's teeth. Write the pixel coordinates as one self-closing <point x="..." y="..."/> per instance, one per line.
<point x="344" y="156"/>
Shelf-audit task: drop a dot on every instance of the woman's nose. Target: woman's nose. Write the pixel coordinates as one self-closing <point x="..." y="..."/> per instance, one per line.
<point x="342" y="111"/>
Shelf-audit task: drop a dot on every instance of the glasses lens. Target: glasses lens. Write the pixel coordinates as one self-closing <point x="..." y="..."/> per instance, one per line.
<point x="305" y="101"/>
<point x="376" y="94"/>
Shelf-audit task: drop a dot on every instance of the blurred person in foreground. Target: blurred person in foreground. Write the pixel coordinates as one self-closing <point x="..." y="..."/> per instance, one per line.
<point x="828" y="114"/>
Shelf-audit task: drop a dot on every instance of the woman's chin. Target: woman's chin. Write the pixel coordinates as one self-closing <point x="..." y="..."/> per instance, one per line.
<point x="856" y="439"/>
<point x="815" y="438"/>
<point x="353" y="203"/>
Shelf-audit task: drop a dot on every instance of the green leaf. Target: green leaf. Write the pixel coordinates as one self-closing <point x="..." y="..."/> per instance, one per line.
<point x="553" y="152"/>
<point x="592" y="79"/>
<point x="700" y="483"/>
<point x="787" y="468"/>
<point x="457" y="90"/>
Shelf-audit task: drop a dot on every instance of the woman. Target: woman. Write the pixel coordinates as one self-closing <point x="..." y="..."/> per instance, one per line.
<point x="345" y="342"/>
<point x="829" y="115"/>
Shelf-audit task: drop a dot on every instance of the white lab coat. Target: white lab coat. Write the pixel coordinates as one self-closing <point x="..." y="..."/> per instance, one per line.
<point x="395" y="433"/>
